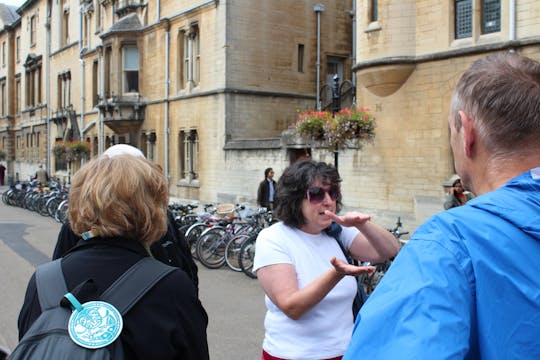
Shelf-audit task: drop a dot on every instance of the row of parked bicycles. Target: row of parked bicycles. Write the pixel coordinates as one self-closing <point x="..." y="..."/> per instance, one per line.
<point x="218" y="235"/>
<point x="50" y="200"/>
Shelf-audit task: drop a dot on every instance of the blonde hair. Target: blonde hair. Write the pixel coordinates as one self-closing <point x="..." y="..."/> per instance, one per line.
<point x="123" y="196"/>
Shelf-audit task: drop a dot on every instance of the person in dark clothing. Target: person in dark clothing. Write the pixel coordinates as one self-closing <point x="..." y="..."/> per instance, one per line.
<point x="172" y="249"/>
<point x="267" y="189"/>
<point x="2" y="174"/>
<point x="120" y="217"/>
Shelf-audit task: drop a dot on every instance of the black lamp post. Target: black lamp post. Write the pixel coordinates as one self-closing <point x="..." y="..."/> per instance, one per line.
<point x="335" y="105"/>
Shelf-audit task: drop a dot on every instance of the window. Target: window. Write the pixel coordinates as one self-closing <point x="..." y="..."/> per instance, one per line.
<point x="301" y="58"/>
<point x="64" y="90"/>
<point x="131" y="69"/>
<point x="98" y="16"/>
<point x="189" y="53"/>
<point x="189" y="155"/>
<point x="107" y="70"/>
<point x="467" y="25"/>
<point x="374" y="11"/>
<point x="181" y="40"/>
<point x="3" y="53"/>
<point x="491" y="16"/>
<point x="95" y="78"/>
<point x="33" y="85"/>
<point x="4" y="96"/>
<point x="18" y="49"/>
<point x="64" y="40"/>
<point x="463" y="19"/>
<point x="33" y="27"/>
<point x="18" y="95"/>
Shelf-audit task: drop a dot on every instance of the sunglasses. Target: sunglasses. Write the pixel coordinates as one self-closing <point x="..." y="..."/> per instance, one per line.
<point x="316" y="194"/>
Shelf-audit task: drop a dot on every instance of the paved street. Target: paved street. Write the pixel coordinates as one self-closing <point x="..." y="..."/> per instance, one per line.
<point x="234" y="303"/>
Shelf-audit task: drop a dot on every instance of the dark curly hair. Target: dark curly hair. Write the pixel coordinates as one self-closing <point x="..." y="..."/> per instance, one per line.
<point x="293" y="185"/>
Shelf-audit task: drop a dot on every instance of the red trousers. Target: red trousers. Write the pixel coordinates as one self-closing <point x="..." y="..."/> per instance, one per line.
<point x="267" y="356"/>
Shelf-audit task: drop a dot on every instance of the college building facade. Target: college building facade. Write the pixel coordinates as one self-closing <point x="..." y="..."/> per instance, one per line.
<point x="208" y="89"/>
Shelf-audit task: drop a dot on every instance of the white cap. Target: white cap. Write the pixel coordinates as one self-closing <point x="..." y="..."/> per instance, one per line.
<point x="123" y="149"/>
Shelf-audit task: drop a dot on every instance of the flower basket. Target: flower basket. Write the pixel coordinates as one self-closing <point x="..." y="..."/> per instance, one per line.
<point x="310" y="124"/>
<point x="71" y="150"/>
<point x="59" y="150"/>
<point x="350" y="127"/>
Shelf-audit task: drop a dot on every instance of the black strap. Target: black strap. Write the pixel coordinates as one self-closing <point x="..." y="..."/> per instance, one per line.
<point x="50" y="284"/>
<point x="123" y="293"/>
<point x="134" y="283"/>
<point x="334" y="231"/>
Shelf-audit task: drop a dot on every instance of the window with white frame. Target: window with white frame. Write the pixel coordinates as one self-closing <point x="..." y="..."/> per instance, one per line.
<point x="131" y="69"/>
<point x="189" y="53"/>
<point x="188" y="155"/>
<point x="33" y="28"/>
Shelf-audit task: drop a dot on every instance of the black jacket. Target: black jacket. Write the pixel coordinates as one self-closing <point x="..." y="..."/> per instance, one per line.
<point x="263" y="193"/>
<point x="169" y="322"/>
<point x="172" y="249"/>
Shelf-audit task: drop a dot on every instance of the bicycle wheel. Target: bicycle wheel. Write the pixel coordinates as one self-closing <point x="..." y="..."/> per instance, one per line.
<point x="246" y="256"/>
<point x="211" y="248"/>
<point x="232" y="250"/>
<point x="192" y="235"/>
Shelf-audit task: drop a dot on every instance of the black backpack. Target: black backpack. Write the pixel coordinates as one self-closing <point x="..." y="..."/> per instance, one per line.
<point x="48" y="336"/>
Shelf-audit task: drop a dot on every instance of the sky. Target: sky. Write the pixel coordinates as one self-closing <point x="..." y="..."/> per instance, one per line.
<point x="16" y="3"/>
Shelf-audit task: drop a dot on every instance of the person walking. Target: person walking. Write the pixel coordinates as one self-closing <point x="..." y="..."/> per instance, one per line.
<point x="2" y="174"/>
<point x="267" y="190"/>
<point x="466" y="285"/>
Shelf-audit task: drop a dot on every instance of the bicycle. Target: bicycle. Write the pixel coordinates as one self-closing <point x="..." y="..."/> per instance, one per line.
<point x="370" y="282"/>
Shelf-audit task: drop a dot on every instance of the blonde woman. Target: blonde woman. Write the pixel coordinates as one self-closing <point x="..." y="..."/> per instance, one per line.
<point x="119" y="205"/>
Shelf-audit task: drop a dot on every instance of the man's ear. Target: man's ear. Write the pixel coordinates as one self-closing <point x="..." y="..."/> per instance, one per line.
<point x="468" y="133"/>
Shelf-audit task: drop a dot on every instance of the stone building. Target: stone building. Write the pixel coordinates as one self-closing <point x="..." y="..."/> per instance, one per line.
<point x="208" y="88"/>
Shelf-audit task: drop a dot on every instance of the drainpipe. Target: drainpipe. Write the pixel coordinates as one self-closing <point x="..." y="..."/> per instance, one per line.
<point x="158" y="7"/>
<point x="318" y="8"/>
<point x="353" y="58"/>
<point x="82" y="71"/>
<point x="48" y="89"/>
<point x="512" y="30"/>
<point x="167" y="130"/>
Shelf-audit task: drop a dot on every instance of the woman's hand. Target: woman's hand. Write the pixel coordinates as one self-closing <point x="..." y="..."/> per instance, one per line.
<point x="345" y="268"/>
<point x="353" y="218"/>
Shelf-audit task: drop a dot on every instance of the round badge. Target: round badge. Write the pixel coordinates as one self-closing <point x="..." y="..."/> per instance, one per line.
<point x="96" y="325"/>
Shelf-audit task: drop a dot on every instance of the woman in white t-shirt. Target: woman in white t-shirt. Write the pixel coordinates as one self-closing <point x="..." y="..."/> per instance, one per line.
<point x="303" y="270"/>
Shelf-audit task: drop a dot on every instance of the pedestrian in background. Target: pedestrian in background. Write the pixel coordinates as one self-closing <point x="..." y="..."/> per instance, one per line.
<point x="466" y="285"/>
<point x="457" y="196"/>
<point x="2" y="174"/>
<point x="41" y="175"/>
<point x="267" y="190"/>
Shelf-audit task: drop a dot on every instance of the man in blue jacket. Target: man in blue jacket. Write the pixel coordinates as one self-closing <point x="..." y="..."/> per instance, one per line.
<point x="467" y="285"/>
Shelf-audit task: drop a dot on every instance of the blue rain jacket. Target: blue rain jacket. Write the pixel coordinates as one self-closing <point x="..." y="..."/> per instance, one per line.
<point x="466" y="286"/>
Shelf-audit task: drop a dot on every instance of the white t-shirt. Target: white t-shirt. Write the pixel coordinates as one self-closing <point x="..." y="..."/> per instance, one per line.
<point x="325" y="330"/>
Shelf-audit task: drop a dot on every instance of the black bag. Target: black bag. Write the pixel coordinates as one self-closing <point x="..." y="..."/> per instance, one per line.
<point x="334" y="230"/>
<point x="48" y="336"/>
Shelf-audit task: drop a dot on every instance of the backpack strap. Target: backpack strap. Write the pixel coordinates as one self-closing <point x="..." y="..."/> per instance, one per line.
<point x="334" y="230"/>
<point x="135" y="283"/>
<point x="50" y="284"/>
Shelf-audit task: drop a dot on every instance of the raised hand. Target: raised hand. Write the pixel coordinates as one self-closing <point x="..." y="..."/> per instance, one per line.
<point x="345" y="268"/>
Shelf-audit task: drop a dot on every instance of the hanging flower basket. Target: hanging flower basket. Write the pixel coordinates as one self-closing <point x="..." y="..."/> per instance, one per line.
<point x="349" y="127"/>
<point x="310" y="124"/>
<point x="71" y="150"/>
